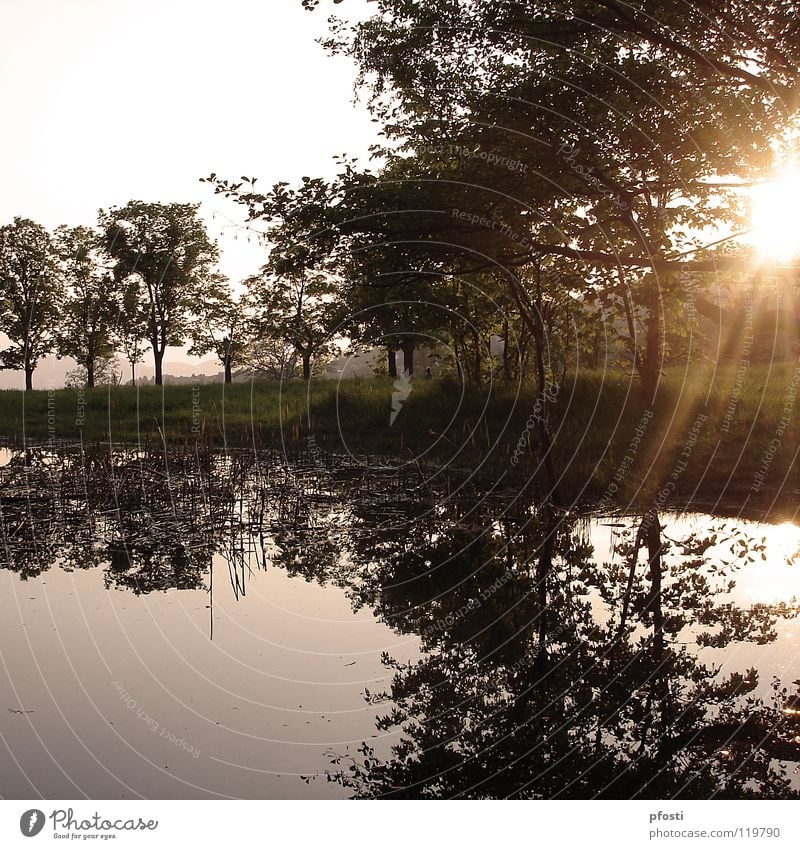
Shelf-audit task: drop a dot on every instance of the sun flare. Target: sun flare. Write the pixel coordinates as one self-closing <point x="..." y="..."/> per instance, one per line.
<point x="774" y="219"/>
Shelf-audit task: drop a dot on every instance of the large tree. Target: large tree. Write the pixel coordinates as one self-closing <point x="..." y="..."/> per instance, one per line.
<point x="31" y="292"/>
<point x="167" y="248"/>
<point x="90" y="311"/>
<point x="613" y="134"/>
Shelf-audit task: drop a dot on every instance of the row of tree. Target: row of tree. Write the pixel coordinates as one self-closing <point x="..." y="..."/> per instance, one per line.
<point x="147" y="277"/>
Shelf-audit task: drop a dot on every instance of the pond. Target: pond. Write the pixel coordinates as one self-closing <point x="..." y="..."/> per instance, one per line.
<point x="190" y="625"/>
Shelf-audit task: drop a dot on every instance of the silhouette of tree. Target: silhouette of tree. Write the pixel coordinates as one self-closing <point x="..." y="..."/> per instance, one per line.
<point x="90" y="311"/>
<point x="166" y="247"/>
<point x="31" y="292"/>
<point x="609" y="134"/>
<point x="221" y="325"/>
<point x="297" y="307"/>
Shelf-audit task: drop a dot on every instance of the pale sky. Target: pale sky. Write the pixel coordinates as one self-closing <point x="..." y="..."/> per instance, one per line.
<point x="104" y="101"/>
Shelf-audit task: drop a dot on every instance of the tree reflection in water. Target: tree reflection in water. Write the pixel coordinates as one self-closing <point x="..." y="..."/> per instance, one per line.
<point x="575" y="679"/>
<point x="544" y="672"/>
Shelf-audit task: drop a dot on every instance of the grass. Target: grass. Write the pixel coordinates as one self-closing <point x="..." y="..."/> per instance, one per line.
<point x="726" y="437"/>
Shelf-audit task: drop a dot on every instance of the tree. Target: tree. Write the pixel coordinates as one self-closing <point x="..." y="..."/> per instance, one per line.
<point x="383" y="307"/>
<point x="221" y="326"/>
<point x="272" y="357"/>
<point x="90" y="309"/>
<point x="630" y="127"/>
<point x="294" y="297"/>
<point x="131" y="326"/>
<point x="30" y="295"/>
<point x="296" y="307"/>
<point x="107" y="372"/>
<point x="396" y="293"/>
<point x="166" y="246"/>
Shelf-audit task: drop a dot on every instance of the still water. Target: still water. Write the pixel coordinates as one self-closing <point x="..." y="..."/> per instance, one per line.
<point x="205" y="626"/>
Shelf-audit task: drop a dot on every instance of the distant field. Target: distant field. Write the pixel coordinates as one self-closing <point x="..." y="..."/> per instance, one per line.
<point x="721" y="436"/>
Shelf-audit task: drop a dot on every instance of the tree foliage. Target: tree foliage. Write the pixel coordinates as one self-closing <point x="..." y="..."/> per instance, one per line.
<point x="167" y="248"/>
<point x="91" y="308"/>
<point x="615" y="135"/>
<point x="31" y="292"/>
<point x="221" y="326"/>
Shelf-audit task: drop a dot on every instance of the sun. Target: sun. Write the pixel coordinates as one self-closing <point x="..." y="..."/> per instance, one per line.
<point x="775" y="217"/>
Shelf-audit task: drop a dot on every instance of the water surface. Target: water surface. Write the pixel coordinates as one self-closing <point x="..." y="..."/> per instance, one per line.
<point x="190" y="626"/>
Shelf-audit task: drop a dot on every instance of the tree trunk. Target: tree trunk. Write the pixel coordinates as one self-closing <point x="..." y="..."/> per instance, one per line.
<point x="596" y="348"/>
<point x="653" y="604"/>
<point x="506" y="369"/>
<point x="28" y="377"/>
<point x="542" y="428"/>
<point x="408" y="359"/>
<point x="158" y="359"/>
<point x="459" y="367"/>
<point x="521" y="356"/>
<point x="391" y="355"/>
<point x="532" y="316"/>
<point x="650" y="366"/>
<point x="306" y="367"/>
<point x="90" y="372"/>
<point x="228" y="374"/>
<point x="543" y="568"/>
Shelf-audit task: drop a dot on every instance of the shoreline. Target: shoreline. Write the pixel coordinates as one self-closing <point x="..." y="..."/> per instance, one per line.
<point x="607" y="449"/>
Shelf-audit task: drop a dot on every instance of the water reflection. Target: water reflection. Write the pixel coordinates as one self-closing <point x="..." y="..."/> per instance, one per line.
<point x="550" y="666"/>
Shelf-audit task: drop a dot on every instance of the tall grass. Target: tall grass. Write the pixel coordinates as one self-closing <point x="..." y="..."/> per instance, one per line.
<point x="712" y="430"/>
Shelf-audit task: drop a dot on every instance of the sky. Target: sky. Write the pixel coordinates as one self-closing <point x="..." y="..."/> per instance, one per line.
<point x="105" y="101"/>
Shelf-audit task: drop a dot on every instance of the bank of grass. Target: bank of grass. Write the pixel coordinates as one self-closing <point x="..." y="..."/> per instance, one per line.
<point x="723" y="438"/>
<point x="717" y="436"/>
